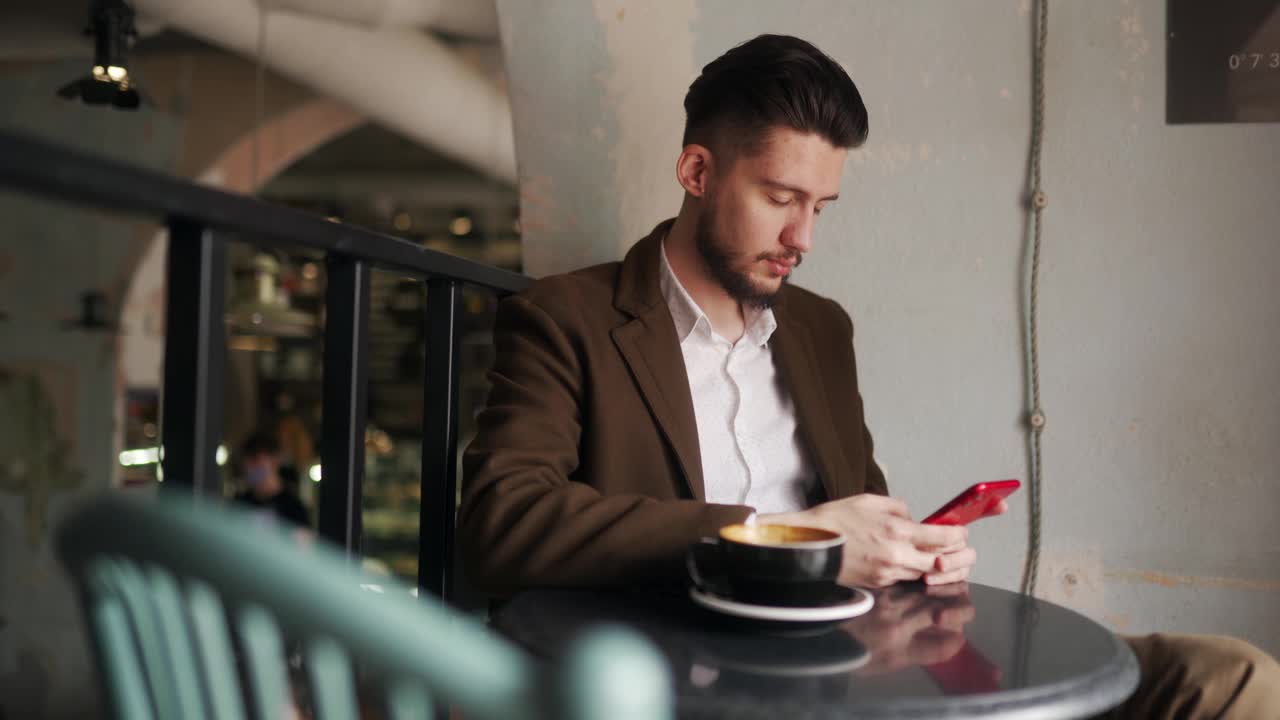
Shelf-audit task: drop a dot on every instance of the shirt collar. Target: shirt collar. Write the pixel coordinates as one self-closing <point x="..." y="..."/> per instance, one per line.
<point x="689" y="317"/>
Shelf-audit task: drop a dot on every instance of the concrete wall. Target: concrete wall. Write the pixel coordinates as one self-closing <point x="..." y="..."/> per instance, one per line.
<point x="1159" y="346"/>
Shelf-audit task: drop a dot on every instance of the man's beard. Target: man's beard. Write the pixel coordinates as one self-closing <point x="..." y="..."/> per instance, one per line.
<point x="720" y="260"/>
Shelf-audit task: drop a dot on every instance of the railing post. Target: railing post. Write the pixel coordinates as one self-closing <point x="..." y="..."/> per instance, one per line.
<point x="194" y="358"/>
<point x="440" y="439"/>
<point x="346" y="351"/>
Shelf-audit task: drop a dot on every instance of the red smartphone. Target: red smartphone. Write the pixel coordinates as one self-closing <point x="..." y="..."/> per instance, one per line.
<point x="974" y="503"/>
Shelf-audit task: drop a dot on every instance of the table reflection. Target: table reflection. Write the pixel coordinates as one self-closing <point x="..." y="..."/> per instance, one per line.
<point x="956" y="651"/>
<point x="920" y="625"/>
<point x="909" y="626"/>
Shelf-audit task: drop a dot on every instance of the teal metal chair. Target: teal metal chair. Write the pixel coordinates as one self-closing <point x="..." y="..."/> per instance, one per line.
<point x="195" y="611"/>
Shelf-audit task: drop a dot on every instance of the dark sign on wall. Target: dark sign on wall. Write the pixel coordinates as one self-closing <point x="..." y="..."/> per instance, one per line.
<point x="1224" y="61"/>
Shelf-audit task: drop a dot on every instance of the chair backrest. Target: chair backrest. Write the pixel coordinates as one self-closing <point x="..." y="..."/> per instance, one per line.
<point x="201" y="612"/>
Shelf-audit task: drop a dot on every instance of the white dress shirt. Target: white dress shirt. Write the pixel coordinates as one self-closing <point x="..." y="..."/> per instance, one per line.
<point x="752" y="453"/>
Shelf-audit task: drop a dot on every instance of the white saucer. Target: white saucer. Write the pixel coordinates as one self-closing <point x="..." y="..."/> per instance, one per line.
<point x="860" y="603"/>
<point x="834" y="667"/>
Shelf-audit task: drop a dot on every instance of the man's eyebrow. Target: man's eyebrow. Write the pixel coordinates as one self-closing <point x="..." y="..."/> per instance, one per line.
<point x="799" y="191"/>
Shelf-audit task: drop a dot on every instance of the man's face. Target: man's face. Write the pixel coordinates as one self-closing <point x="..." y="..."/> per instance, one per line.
<point x="759" y="210"/>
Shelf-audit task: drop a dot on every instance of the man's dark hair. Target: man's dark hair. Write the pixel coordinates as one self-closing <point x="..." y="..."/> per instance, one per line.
<point x="771" y="81"/>
<point x="258" y="444"/>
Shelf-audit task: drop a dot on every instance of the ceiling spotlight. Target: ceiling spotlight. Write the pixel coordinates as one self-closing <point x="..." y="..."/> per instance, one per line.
<point x="108" y="83"/>
<point x="460" y="225"/>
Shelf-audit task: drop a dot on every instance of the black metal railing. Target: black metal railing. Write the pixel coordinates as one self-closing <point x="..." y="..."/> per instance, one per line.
<point x="201" y="221"/>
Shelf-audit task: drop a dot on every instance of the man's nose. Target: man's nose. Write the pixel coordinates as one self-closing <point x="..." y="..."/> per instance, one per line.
<point x="798" y="235"/>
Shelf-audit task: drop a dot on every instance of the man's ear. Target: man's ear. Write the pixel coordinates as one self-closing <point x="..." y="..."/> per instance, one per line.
<point x="694" y="168"/>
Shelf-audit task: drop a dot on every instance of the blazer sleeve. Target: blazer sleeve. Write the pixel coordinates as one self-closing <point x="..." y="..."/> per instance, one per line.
<point x="526" y="520"/>
<point x="875" y="482"/>
<point x="875" y="476"/>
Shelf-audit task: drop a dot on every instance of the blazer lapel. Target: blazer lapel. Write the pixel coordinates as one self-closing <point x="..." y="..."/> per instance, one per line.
<point x="652" y="354"/>
<point x="651" y="350"/>
<point x="794" y="354"/>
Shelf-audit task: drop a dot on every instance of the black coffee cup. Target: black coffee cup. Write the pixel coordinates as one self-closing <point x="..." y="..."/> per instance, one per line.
<point x="782" y="565"/>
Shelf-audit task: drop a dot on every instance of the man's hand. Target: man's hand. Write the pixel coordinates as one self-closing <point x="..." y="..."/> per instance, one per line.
<point x="884" y="545"/>
<point x="954" y="564"/>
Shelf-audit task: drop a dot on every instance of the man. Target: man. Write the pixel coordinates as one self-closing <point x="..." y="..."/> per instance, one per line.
<point x="638" y="406"/>
<point x="265" y="489"/>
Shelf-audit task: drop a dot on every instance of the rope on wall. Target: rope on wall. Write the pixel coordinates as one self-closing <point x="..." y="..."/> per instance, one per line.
<point x="1038" y="201"/>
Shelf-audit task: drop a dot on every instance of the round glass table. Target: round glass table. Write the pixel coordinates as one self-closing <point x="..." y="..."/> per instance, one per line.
<point x="956" y="651"/>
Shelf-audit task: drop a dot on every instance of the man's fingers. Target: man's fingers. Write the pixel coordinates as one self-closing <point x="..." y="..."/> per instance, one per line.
<point x="956" y="560"/>
<point x="942" y="578"/>
<point x="936" y="537"/>
<point x="908" y="558"/>
<point x="891" y="575"/>
<point x="955" y="592"/>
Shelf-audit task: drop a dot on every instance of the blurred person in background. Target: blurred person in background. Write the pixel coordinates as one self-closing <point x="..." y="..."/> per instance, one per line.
<point x="264" y="487"/>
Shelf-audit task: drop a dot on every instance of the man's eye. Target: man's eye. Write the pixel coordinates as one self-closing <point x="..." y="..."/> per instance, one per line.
<point x="780" y="200"/>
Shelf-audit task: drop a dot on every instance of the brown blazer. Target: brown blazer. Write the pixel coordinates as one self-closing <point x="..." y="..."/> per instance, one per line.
<point x="585" y="469"/>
